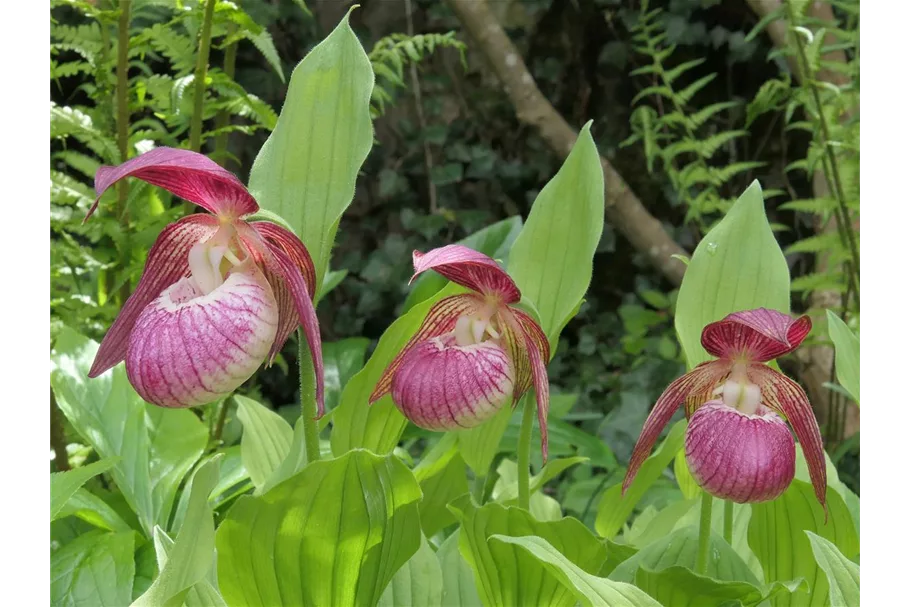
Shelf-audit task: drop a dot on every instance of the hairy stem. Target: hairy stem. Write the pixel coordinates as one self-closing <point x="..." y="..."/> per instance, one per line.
<point x="123" y="131"/>
<point x="528" y="414"/>
<point x="199" y="77"/>
<point x="308" y="397"/>
<point x="219" y="423"/>
<point x="705" y="531"/>
<point x="728" y="521"/>
<point x="223" y="118"/>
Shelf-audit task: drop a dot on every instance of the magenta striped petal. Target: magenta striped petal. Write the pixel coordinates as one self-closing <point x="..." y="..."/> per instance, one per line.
<point x="700" y="380"/>
<point x="468" y="268"/>
<point x="440" y="385"/>
<point x="440" y="319"/>
<point x="284" y="273"/>
<point x="289" y="320"/>
<point x="530" y="352"/>
<point x="784" y="396"/>
<point x="167" y="263"/>
<point x="186" y="174"/>
<point x="739" y="457"/>
<point x="760" y="335"/>
<point x="188" y="348"/>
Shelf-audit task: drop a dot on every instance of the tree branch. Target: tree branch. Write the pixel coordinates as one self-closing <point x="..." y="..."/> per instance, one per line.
<point x="622" y="207"/>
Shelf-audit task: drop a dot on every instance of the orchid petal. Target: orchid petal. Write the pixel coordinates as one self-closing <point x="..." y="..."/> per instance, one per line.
<point x="276" y="235"/>
<point x="441" y="319"/>
<point x="166" y="264"/>
<point x="760" y="334"/>
<point x="283" y="272"/>
<point x="468" y="268"/>
<point x="530" y="351"/>
<point x="700" y="380"/>
<point x="186" y="174"/>
<point x="785" y="396"/>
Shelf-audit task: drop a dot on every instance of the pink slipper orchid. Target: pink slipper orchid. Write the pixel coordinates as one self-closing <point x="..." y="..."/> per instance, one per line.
<point x="218" y="294"/>
<point x="738" y="447"/>
<point x="473" y="352"/>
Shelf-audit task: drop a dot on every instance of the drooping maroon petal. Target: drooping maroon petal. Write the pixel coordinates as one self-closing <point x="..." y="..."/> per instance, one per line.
<point x="441" y="319"/>
<point x="279" y="264"/>
<point x="785" y="396"/>
<point x="166" y="264"/>
<point x="189" y="348"/>
<point x="700" y="380"/>
<point x="760" y="335"/>
<point x="530" y="350"/>
<point x="293" y="248"/>
<point x="737" y="456"/>
<point x="441" y="385"/>
<point x="468" y="268"/>
<point x="187" y="174"/>
<point x="278" y="236"/>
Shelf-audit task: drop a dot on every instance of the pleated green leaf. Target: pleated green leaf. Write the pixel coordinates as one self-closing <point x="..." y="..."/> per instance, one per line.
<point x="419" y="582"/>
<point x="458" y="580"/>
<point x="65" y="484"/>
<point x="441" y="474"/>
<point x="842" y="573"/>
<point x="847" y="354"/>
<point x="96" y="568"/>
<point x="266" y="440"/>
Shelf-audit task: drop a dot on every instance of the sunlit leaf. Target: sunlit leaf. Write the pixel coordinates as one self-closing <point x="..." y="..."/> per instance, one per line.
<point x="65" y="484"/>
<point x="847" y="354"/>
<point x="842" y="573"/>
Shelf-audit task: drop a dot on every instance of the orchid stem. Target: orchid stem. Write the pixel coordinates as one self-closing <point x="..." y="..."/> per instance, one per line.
<point x="123" y="130"/>
<point x="480" y="484"/>
<point x="524" y="452"/>
<point x="728" y="521"/>
<point x="308" y="398"/>
<point x="199" y="83"/>
<point x="705" y="532"/>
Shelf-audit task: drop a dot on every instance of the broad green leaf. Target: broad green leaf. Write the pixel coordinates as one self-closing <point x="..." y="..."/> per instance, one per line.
<point x="852" y="501"/>
<point x="615" y="507"/>
<point x="685" y="480"/>
<point x="740" y="526"/>
<point x="589" y="589"/>
<point x="342" y="359"/>
<point x="190" y="558"/>
<point x="231" y="474"/>
<point x="480" y="445"/>
<point x="418" y="582"/>
<point x="682" y="587"/>
<point x="441" y="474"/>
<point x="65" y="484"/>
<point x="506" y="488"/>
<point x="201" y="594"/>
<point x="377" y="427"/>
<point x="109" y="414"/>
<point x="266" y="440"/>
<point x="551" y="259"/>
<point x="156" y="446"/>
<point x="847" y="354"/>
<point x="506" y="574"/>
<point x="177" y="439"/>
<point x="737" y="266"/>
<point x="294" y="461"/>
<point x="333" y="534"/>
<point x="494" y="241"/>
<point x="458" y="580"/>
<point x="646" y="529"/>
<point x="93" y="510"/>
<point x="544" y="507"/>
<point x="96" y="568"/>
<point x="843" y="574"/>
<point x="775" y="535"/>
<point x="680" y="548"/>
<point x="305" y="172"/>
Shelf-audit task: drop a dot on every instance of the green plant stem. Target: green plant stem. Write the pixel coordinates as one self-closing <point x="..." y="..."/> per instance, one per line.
<point x="705" y="531"/>
<point x="842" y="216"/>
<point x="123" y="131"/>
<point x="58" y="437"/>
<point x="728" y="521"/>
<point x="308" y="398"/>
<point x="528" y="414"/>
<point x="199" y="77"/>
<point x="480" y="484"/>
<point x="219" y="427"/>
<point x="223" y="118"/>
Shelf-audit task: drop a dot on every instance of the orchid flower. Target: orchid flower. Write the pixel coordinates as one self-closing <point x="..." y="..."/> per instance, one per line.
<point x="473" y="352"/>
<point x="737" y="446"/>
<point x="218" y="295"/>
